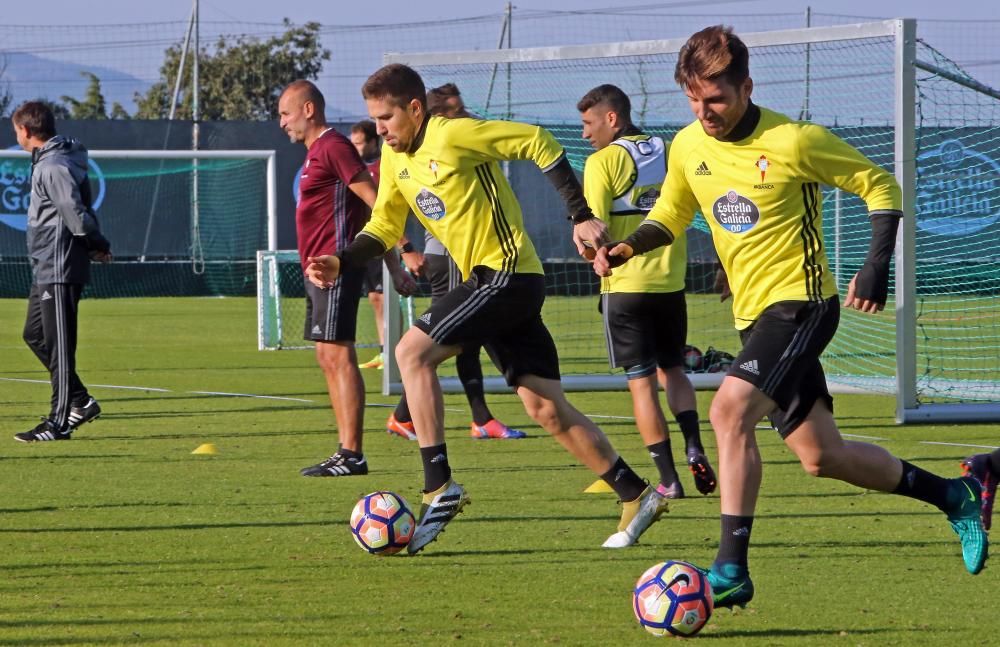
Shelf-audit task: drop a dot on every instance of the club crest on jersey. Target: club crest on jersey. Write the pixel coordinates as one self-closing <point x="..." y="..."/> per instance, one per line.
<point x="762" y="165"/>
<point x="433" y="166"/>
<point x="430" y="205"/>
<point x="735" y="213"/>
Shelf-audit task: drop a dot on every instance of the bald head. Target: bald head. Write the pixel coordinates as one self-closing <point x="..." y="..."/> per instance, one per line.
<point x="301" y="110"/>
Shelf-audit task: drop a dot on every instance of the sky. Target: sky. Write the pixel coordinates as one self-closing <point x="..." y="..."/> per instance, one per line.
<point x="127" y="60"/>
<point x="332" y="12"/>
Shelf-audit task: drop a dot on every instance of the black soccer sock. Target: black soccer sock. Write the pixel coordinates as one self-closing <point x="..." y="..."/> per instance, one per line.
<point x="688" y="422"/>
<point x="624" y="481"/>
<point x="348" y="453"/>
<point x="994" y="462"/>
<point x="470" y="373"/>
<point x="734" y="541"/>
<point x="437" y="471"/>
<point x="663" y="458"/>
<point x="402" y="412"/>
<point x="920" y="484"/>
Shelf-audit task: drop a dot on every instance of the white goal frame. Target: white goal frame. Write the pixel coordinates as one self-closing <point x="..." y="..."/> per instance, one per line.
<point x="903" y="33"/>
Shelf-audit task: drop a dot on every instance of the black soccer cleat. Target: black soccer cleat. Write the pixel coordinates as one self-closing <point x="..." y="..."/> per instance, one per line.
<point x="701" y="469"/>
<point x="43" y="432"/>
<point x="338" y="465"/>
<point x="83" y="413"/>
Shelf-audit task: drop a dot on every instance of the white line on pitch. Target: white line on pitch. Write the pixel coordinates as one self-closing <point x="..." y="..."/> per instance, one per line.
<point x="250" y="395"/>
<point x="864" y="437"/>
<point x="934" y="442"/>
<point x="103" y="386"/>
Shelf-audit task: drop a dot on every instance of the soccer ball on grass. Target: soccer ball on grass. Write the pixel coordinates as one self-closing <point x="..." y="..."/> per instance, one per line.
<point x="382" y="523"/>
<point x="672" y="598"/>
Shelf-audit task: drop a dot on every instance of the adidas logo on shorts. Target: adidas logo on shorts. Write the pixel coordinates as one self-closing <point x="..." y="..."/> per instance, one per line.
<point x="750" y="367"/>
<point x="317" y="330"/>
<point x="46" y="296"/>
<point x="426" y="318"/>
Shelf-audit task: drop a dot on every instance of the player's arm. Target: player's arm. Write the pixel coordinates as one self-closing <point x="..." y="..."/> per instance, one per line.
<point x="508" y="140"/>
<point x="64" y="193"/>
<point x="670" y="217"/>
<point x="835" y="162"/>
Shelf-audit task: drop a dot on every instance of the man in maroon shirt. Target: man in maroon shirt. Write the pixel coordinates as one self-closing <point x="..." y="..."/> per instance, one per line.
<point x="335" y="195"/>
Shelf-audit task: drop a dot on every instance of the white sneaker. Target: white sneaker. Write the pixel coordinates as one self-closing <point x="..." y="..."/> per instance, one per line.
<point x="436" y="510"/>
<point x="636" y="517"/>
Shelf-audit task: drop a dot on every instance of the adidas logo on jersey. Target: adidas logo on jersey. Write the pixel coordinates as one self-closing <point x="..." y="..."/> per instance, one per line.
<point x="750" y="367"/>
<point x="702" y="169"/>
<point x="426" y="318"/>
<point x="404" y="174"/>
<point x="46" y="296"/>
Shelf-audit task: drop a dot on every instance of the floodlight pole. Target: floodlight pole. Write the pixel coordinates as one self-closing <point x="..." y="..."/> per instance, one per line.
<point x="197" y="254"/>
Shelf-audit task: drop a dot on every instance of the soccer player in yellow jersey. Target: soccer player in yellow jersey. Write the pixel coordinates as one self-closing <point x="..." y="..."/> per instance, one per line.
<point x="645" y="312"/>
<point x="447" y="172"/>
<point x="756" y="175"/>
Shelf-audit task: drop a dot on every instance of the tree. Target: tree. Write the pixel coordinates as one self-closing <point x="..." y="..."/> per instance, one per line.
<point x="241" y="77"/>
<point x="93" y="106"/>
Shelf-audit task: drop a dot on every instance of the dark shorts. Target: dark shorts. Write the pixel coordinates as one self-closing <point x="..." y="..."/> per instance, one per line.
<point x="373" y="276"/>
<point x="442" y="273"/>
<point x="780" y="356"/>
<point x="332" y="314"/>
<point x="503" y="312"/>
<point x="644" y="327"/>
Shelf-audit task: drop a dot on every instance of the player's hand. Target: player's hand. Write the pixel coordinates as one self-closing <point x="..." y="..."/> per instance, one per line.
<point x="414" y="261"/>
<point x="403" y="282"/>
<point x="322" y="271"/>
<point x="101" y="257"/>
<point x="852" y="300"/>
<point x="611" y="255"/>
<point x="588" y="236"/>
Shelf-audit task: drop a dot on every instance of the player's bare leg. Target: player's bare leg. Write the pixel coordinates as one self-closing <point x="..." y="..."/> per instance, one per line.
<point x="653" y="429"/>
<point x="339" y="363"/>
<point x="683" y="404"/>
<point x="546" y="403"/>
<point x="418" y="357"/>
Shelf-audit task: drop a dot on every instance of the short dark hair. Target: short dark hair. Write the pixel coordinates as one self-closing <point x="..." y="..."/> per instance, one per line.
<point x="436" y="98"/>
<point x="713" y="53"/>
<point x="37" y="118"/>
<point x="608" y="95"/>
<point x="310" y="93"/>
<point x="397" y="83"/>
<point x="367" y="128"/>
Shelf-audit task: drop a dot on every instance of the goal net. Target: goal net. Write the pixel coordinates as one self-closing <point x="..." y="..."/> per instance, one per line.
<point x="937" y="344"/>
<point x="181" y="223"/>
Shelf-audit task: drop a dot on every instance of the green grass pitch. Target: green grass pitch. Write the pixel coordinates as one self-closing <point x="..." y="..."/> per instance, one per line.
<point x="122" y="536"/>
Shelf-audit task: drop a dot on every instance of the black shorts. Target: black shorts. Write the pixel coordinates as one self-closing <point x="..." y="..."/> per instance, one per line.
<point x="780" y="356"/>
<point x="442" y="273"/>
<point x="332" y="313"/>
<point x="503" y="312"/>
<point x="643" y="327"/>
<point x="373" y="276"/>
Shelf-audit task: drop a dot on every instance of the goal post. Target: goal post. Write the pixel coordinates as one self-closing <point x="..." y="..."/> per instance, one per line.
<point x="937" y="345"/>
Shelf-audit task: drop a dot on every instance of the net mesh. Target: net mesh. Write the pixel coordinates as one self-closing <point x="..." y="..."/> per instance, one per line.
<point x="177" y="226"/>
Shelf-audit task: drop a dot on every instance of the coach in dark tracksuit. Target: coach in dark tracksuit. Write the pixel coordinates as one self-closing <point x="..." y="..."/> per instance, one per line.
<point x="63" y="236"/>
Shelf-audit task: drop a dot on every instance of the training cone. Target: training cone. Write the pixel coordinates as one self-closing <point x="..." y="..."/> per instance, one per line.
<point x="206" y="448"/>
<point x="598" y="487"/>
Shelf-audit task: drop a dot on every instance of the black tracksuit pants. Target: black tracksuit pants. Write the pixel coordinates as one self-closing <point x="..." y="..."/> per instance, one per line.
<point x="50" y="332"/>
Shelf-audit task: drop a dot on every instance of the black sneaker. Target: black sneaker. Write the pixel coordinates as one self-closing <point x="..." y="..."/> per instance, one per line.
<point x="338" y="465"/>
<point x="44" y="431"/>
<point x="701" y="469"/>
<point x="85" y="412"/>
